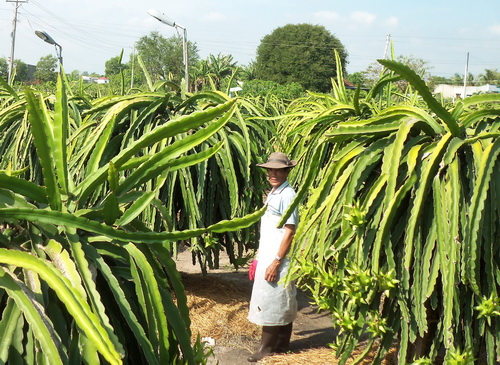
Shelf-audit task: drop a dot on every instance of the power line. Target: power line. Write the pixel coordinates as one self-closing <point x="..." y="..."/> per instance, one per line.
<point x="449" y="38"/>
<point x="103" y="36"/>
<point x="81" y="34"/>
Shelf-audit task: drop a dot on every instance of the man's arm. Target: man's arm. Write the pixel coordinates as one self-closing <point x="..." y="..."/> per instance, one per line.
<point x="272" y="270"/>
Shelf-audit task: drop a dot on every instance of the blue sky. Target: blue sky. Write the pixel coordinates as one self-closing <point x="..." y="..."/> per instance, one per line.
<point x="93" y="31"/>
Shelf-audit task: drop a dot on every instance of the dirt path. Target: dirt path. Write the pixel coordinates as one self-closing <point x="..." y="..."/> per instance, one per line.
<point x="219" y="304"/>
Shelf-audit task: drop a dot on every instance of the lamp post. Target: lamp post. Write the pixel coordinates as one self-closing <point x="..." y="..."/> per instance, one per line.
<point x="165" y="20"/>
<point x="47" y="38"/>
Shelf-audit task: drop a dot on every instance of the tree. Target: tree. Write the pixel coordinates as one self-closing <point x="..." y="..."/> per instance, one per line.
<point x="129" y="70"/>
<point x="490" y="76"/>
<point x="302" y="53"/>
<point x="134" y="74"/>
<point x="46" y="69"/>
<point x="437" y="80"/>
<point x="262" y="88"/>
<point x="21" y="71"/>
<point x="74" y="75"/>
<point x="420" y="66"/>
<point x="458" y="79"/>
<point x="357" y="78"/>
<point x="248" y="72"/>
<point x="163" y="57"/>
<point x="113" y="66"/>
<point x="4" y="68"/>
<point x="214" y="70"/>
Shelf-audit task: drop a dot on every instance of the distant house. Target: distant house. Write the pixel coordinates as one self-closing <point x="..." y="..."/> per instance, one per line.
<point x="95" y="80"/>
<point x="88" y="79"/>
<point x="350" y="86"/>
<point x="234" y="90"/>
<point x="457" y="91"/>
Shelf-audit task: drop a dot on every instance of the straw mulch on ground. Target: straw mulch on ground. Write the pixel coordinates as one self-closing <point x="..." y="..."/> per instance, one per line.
<point x="219" y="307"/>
<point x="323" y="356"/>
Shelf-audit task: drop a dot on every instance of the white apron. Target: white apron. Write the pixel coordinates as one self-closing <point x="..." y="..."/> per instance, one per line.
<point x="272" y="304"/>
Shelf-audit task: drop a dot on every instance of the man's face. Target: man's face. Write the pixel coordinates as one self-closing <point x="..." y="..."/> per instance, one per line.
<point x="277" y="176"/>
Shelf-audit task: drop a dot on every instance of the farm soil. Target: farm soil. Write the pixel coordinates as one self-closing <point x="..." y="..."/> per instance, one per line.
<point x="218" y="304"/>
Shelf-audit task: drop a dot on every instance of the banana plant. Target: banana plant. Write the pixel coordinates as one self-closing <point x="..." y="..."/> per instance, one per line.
<point x="84" y="277"/>
<point x="400" y="218"/>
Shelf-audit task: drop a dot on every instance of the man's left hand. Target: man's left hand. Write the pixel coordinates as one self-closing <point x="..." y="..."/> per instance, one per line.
<point x="272" y="272"/>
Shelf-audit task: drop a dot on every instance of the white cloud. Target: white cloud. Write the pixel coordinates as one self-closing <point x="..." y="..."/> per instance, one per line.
<point x="392" y="21"/>
<point x="495" y="29"/>
<point x="327" y="15"/>
<point x="214" y="17"/>
<point x="362" y="17"/>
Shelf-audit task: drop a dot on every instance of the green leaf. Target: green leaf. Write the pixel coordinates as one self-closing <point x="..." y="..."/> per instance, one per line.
<point x="474" y="117"/>
<point x="237" y="223"/>
<point x="9" y="199"/>
<point x="107" y="126"/>
<point x="382" y="238"/>
<point x="8" y="88"/>
<point x="63" y="261"/>
<point x="69" y="220"/>
<point x="432" y="127"/>
<point x="180" y="125"/>
<point x="75" y="304"/>
<point x="123" y="302"/>
<point x="145" y="71"/>
<point x="136" y="208"/>
<point x="363" y="128"/>
<point x="146" y="282"/>
<point x="481" y="99"/>
<point x="111" y="209"/>
<point x="392" y="158"/>
<point x="429" y="169"/>
<point x="11" y="321"/>
<point x="424" y="91"/>
<point x="488" y="160"/>
<point x="160" y="161"/>
<point x="88" y="277"/>
<point x="228" y="172"/>
<point x="43" y="139"/>
<point x="35" y="316"/>
<point x="25" y="188"/>
<point x="60" y="133"/>
<point x="113" y="178"/>
<point x="380" y="84"/>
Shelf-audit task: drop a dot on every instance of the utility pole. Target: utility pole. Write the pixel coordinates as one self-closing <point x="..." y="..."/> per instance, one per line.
<point x="466" y="75"/>
<point x="17" y="4"/>
<point x="387" y="42"/>
<point x="132" y="75"/>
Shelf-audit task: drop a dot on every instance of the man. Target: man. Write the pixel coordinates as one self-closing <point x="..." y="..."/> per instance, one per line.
<point x="273" y="305"/>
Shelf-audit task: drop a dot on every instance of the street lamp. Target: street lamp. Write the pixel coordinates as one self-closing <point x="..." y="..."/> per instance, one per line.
<point x="47" y="38"/>
<point x="165" y="20"/>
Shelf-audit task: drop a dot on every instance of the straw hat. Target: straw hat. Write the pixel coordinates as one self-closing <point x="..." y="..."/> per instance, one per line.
<point x="278" y="160"/>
